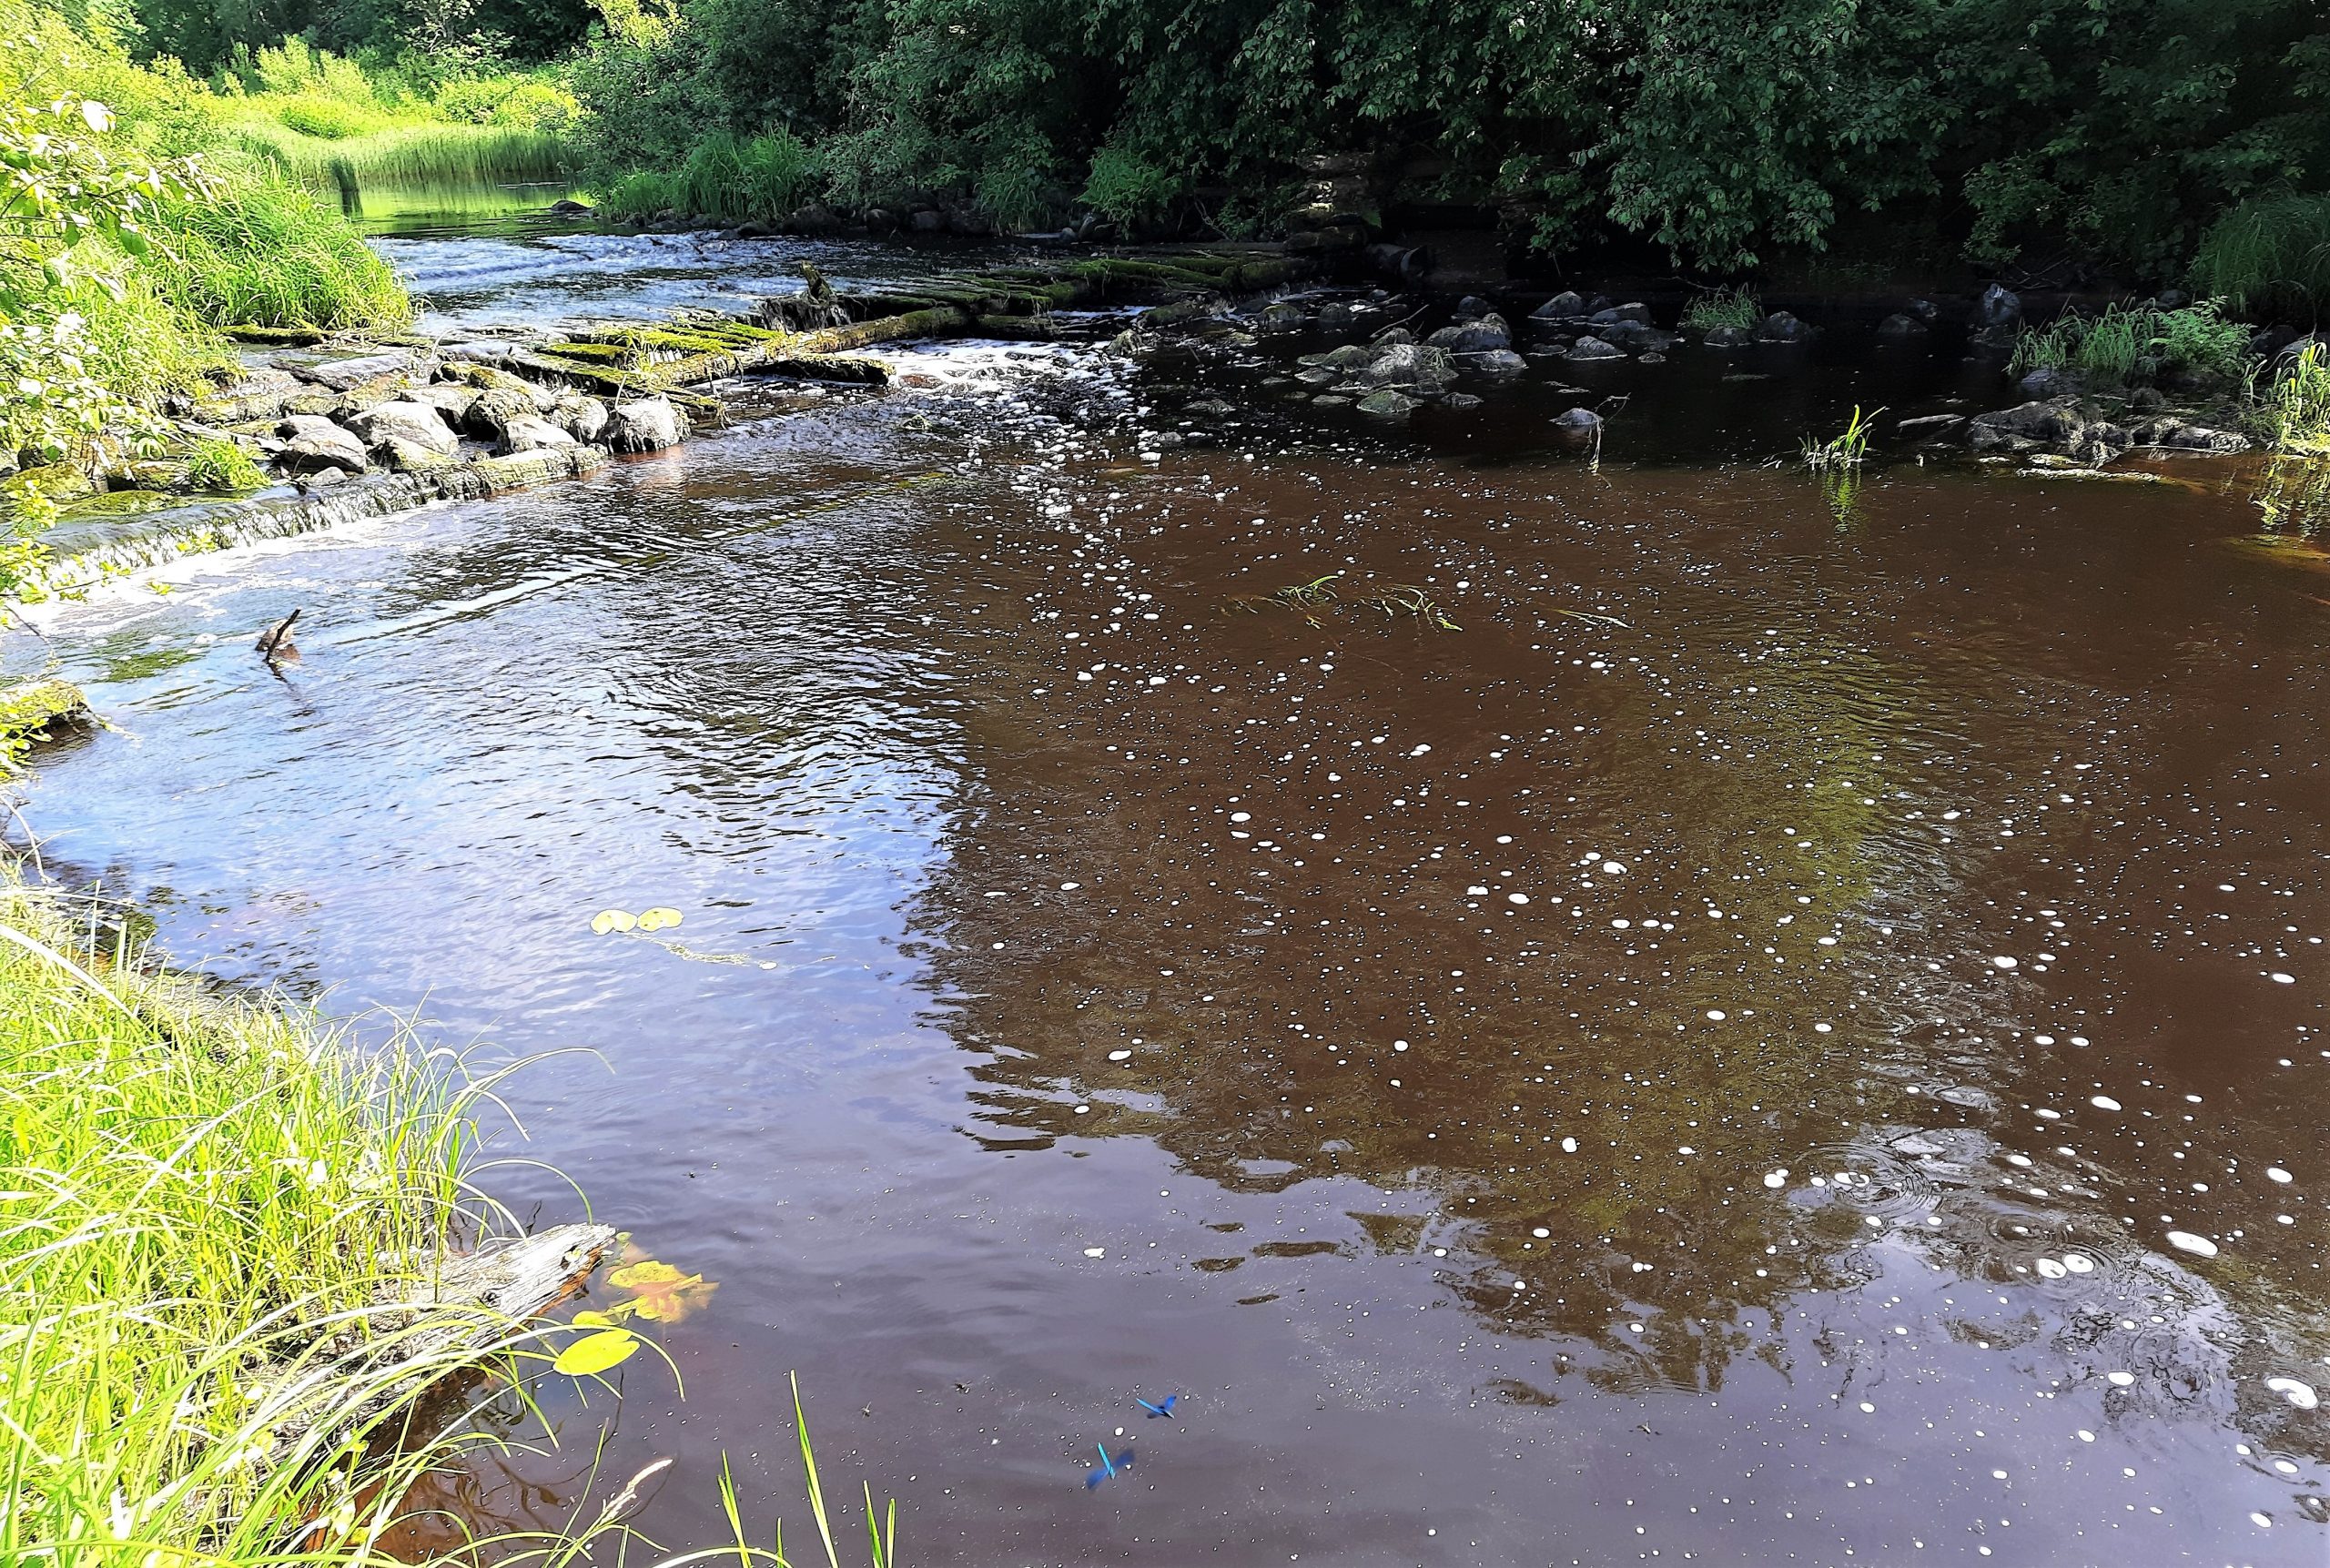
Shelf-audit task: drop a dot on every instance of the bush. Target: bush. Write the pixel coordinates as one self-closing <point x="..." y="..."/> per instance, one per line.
<point x="1124" y="187"/>
<point x="326" y="118"/>
<point x="222" y="467"/>
<point x="2270" y="254"/>
<point x="2130" y="343"/>
<point x="1723" y="308"/>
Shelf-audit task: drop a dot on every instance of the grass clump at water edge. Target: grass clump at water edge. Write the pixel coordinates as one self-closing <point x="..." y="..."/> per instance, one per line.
<point x="1845" y="450"/>
<point x="1723" y="308"/>
<point x="2295" y="409"/>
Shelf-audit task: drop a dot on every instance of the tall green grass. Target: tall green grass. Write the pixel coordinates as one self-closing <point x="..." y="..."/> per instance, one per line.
<point x="430" y="152"/>
<point x="2127" y="343"/>
<point x="204" y="1205"/>
<point x="268" y="253"/>
<point x="2270" y="254"/>
<point x="723" y="176"/>
<point x="2296" y="404"/>
<point x="1723" y="308"/>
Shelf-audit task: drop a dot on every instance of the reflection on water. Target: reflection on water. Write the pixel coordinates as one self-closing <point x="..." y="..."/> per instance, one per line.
<point x="1704" y="1060"/>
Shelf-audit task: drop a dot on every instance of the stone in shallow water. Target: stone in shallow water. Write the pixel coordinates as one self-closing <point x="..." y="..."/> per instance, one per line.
<point x="1388" y="404"/>
<point x="647" y="425"/>
<point x="1592" y="348"/>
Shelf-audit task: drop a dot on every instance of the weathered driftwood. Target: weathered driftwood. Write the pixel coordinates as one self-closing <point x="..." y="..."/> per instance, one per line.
<point x="419" y="1331"/>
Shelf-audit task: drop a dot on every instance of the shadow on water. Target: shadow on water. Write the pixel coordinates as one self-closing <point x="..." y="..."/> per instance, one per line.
<point x="1703" y="1057"/>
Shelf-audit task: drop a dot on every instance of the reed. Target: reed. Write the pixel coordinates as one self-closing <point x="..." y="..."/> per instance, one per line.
<point x="268" y="253"/>
<point x="430" y="152"/>
<point x="2269" y="253"/>
<point x="1845" y="450"/>
<point x="1723" y="308"/>
<point x="2296" y="404"/>
<point x="203" y="1204"/>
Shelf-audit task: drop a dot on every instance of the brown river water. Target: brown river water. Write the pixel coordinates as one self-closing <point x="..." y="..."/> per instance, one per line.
<point x="1692" y="1048"/>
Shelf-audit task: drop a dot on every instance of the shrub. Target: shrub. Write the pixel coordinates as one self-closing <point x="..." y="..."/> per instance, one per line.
<point x="326" y="118"/>
<point x="638" y="194"/>
<point x="1123" y="187"/>
<point x="2270" y="253"/>
<point x="2130" y="343"/>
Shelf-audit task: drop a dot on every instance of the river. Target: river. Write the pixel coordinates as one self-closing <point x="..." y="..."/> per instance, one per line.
<point x="1658" y="1011"/>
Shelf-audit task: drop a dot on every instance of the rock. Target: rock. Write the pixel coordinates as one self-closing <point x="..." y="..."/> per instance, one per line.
<point x="485" y="378"/>
<point x="1388" y="404"/>
<point x="583" y="417"/>
<point x="1998" y="307"/>
<point x="1339" y="315"/>
<point x="398" y="455"/>
<point x="1495" y="362"/>
<point x="1728" y="338"/>
<point x="2274" y="340"/>
<point x="567" y="206"/>
<point x="1393" y="335"/>
<point x="343" y="375"/>
<point x="1281" y="319"/>
<point x="1329" y="400"/>
<point x="1472" y="307"/>
<point x="1924" y="310"/>
<point x="1210" y="409"/>
<point x="970" y="220"/>
<point x="881" y="220"/>
<point x="2048" y="381"/>
<point x="36" y="707"/>
<point x="1629" y="333"/>
<point x="1350" y="356"/>
<point x="452" y="400"/>
<point x="529" y="433"/>
<point x="1407" y="263"/>
<point x="1653" y="357"/>
<point x="1578" y="419"/>
<point x="1899" y="326"/>
<point x="1421" y="366"/>
<point x="1635" y="311"/>
<point x="1475" y="336"/>
<point x="1318" y="376"/>
<point x="1460" y="400"/>
<point x="409" y="420"/>
<point x="1592" y="348"/>
<point x="1779" y="327"/>
<point x="2025" y="428"/>
<point x="2145" y="400"/>
<point x="2171" y="299"/>
<point x="927" y="221"/>
<point x="312" y="444"/>
<point x="2176" y="435"/>
<point x="1560" y="308"/>
<point x="647" y="425"/>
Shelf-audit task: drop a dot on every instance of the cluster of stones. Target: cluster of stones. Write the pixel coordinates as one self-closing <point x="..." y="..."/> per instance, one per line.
<point x="412" y="410"/>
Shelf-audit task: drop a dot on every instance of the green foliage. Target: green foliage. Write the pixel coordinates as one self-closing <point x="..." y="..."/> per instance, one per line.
<point x="1723" y="308"/>
<point x="223" y="467"/>
<point x="270" y="254"/>
<point x="2140" y="342"/>
<point x="2296" y="403"/>
<point x="1125" y="187"/>
<point x="1845" y="450"/>
<point x="2270" y="253"/>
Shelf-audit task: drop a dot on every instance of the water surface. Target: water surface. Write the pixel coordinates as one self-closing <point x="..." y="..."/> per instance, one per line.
<point x="1698" y="1058"/>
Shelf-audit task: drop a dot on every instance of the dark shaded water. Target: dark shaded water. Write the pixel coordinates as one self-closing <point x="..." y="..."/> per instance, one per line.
<point x="1700" y="1062"/>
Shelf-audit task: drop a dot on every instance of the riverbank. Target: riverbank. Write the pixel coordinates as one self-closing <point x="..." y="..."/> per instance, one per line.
<point x="226" y="1255"/>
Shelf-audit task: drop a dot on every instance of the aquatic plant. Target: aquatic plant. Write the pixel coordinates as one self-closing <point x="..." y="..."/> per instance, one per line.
<point x="2269" y="253"/>
<point x="1723" y="308"/>
<point x="2296" y="405"/>
<point x="268" y="254"/>
<point x="432" y="152"/>
<point x="1847" y="448"/>
<point x="1405" y="598"/>
<point x="2125" y="343"/>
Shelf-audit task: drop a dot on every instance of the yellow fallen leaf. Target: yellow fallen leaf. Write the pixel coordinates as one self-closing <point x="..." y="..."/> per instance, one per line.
<point x="655" y="920"/>
<point x="662" y="1293"/>
<point x="588" y="1320"/>
<point x="596" y="1353"/>
<point x="607" y="920"/>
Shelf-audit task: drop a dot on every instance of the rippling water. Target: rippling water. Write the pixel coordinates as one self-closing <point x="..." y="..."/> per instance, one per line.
<point x="1699" y="1059"/>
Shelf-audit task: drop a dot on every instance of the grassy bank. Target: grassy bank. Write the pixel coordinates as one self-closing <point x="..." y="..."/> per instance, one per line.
<point x="202" y="1203"/>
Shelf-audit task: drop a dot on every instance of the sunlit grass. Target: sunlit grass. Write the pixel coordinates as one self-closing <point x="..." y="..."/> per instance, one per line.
<point x="2269" y="253"/>
<point x="210" y="1212"/>
<point x="1847" y="448"/>
<point x="427" y="152"/>
<point x="2295" y="403"/>
<point x="2126" y="343"/>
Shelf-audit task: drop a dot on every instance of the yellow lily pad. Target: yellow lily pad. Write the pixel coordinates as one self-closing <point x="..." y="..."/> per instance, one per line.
<point x="662" y="1293"/>
<point x="657" y="918"/>
<point x="594" y="1353"/>
<point x="607" y="920"/>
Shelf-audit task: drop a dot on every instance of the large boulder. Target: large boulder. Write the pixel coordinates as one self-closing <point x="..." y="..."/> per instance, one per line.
<point x="1479" y="336"/>
<point x="647" y="425"/>
<point x="450" y="399"/>
<point x="1281" y="317"/>
<point x="312" y="444"/>
<point x="1339" y="315"/>
<point x="2027" y="426"/>
<point x="1999" y="306"/>
<point x="1901" y="327"/>
<point x="583" y="416"/>
<point x="405" y="419"/>
<point x="401" y="456"/>
<point x="1632" y="312"/>
<point x="343" y="375"/>
<point x="2178" y="435"/>
<point x="1728" y="338"/>
<point x="817" y="218"/>
<point x="532" y="434"/>
<point x="1562" y="307"/>
<point x="1592" y="348"/>
<point x="1495" y="362"/>
<point x="1779" y="327"/>
<point x="1577" y="422"/>
<point x="1472" y="307"/>
<point x="1388" y="404"/>
<point x="1409" y="365"/>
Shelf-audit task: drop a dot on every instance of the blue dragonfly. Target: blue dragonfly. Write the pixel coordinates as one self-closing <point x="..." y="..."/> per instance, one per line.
<point x="1164" y="1408"/>
<point x="1108" y="1467"/>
